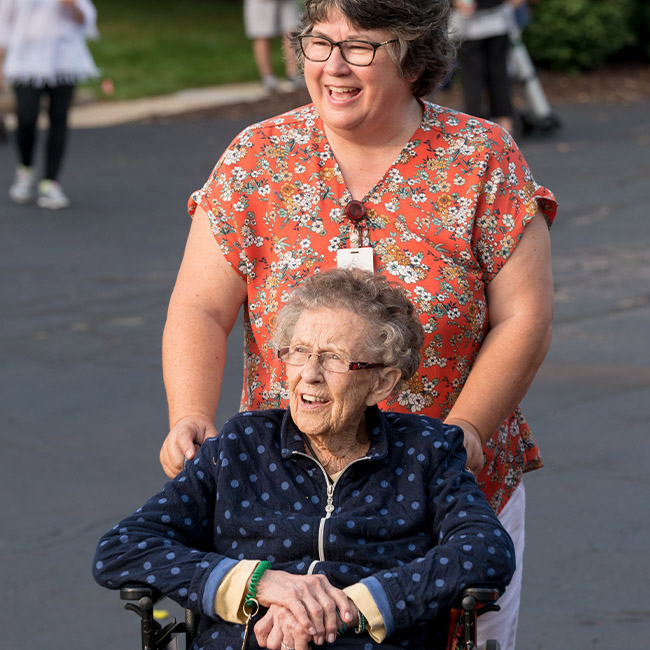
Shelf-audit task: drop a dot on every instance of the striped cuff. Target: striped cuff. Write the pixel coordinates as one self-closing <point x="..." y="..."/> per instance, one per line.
<point x="362" y="598"/>
<point x="212" y="584"/>
<point x="383" y="606"/>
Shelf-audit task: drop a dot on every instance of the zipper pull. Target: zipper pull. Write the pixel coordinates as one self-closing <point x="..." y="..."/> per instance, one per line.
<point x="329" y="508"/>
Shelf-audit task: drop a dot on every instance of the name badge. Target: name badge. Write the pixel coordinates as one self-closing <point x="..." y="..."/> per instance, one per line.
<point x="355" y="257"/>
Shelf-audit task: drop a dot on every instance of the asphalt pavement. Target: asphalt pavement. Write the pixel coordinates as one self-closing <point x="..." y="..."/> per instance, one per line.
<point x="82" y="306"/>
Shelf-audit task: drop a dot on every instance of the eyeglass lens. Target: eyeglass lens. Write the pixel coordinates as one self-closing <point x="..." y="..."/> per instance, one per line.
<point x="319" y="49"/>
<point x="327" y="360"/>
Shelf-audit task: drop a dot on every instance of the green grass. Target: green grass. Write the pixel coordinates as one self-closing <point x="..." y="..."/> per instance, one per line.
<point x="152" y="47"/>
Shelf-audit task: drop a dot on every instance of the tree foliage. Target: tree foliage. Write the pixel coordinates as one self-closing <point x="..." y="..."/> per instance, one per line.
<point x="583" y="34"/>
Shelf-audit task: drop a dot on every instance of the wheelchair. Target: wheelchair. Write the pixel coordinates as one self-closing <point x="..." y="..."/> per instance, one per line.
<point x="141" y="599"/>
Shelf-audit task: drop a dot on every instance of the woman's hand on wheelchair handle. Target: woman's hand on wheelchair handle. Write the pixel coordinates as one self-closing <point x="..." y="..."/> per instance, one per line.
<point x="474" y="449"/>
<point x="473" y="444"/>
<point x="183" y="440"/>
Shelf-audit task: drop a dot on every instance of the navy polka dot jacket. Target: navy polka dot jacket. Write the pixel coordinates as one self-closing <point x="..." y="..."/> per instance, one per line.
<point x="406" y="520"/>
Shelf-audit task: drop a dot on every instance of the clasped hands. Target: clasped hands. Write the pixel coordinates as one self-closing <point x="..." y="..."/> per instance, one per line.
<point x="301" y="610"/>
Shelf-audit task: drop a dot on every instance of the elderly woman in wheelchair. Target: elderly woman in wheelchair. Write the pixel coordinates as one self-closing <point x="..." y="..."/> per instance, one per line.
<point x="330" y="521"/>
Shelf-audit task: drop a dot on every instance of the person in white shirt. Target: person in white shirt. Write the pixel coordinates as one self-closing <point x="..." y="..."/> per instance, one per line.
<point x="483" y="28"/>
<point x="43" y="51"/>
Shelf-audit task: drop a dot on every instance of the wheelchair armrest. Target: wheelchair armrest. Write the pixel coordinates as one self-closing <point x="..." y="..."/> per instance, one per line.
<point x="482" y="594"/>
<point x="141" y="600"/>
<point x="135" y="591"/>
<point x="479" y="600"/>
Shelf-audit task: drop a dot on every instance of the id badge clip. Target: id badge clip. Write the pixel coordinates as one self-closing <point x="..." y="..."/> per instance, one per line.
<point x="356" y="257"/>
<point x="360" y="258"/>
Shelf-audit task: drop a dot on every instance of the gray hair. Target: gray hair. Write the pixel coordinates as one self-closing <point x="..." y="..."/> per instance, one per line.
<point x="394" y="335"/>
<point x="424" y="51"/>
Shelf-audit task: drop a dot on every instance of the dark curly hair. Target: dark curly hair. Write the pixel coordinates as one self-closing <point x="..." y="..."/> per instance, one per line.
<point x="424" y="51"/>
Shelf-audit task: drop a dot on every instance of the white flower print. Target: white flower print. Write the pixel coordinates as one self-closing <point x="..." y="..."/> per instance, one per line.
<point x="283" y="216"/>
<point x="238" y="173"/>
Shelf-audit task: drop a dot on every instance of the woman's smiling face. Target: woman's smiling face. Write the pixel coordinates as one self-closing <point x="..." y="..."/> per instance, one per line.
<point x="356" y="100"/>
<point x="325" y="403"/>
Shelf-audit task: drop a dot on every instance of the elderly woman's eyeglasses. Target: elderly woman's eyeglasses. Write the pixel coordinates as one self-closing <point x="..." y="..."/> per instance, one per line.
<point x="332" y="361"/>
<point x="355" y="52"/>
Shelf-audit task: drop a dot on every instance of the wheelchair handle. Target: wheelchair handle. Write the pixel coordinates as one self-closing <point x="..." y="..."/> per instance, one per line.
<point x="144" y="609"/>
<point x="471" y="598"/>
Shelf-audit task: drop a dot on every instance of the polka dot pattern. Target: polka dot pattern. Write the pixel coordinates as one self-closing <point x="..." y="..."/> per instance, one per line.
<point x="409" y="521"/>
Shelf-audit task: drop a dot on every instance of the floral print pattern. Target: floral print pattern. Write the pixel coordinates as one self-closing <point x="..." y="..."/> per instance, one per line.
<point x="442" y="221"/>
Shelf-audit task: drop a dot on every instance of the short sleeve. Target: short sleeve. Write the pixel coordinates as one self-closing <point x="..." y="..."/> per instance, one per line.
<point x="90" y="19"/>
<point x="225" y="199"/>
<point x="508" y="200"/>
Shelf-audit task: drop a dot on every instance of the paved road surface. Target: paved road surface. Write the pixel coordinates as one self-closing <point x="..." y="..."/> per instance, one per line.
<point x="83" y="299"/>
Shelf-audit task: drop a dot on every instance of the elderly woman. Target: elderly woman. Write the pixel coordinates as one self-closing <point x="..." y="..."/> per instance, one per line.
<point x="372" y="174"/>
<point x="369" y="519"/>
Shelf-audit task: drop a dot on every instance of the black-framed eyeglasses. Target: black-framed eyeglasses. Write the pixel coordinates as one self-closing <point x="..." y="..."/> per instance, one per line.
<point x="332" y="361"/>
<point x="355" y="52"/>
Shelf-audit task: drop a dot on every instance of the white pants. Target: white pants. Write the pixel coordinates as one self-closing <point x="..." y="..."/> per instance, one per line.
<point x="502" y="625"/>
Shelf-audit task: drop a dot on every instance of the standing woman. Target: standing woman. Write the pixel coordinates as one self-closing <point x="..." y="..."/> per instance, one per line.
<point x="483" y="26"/>
<point x="43" y="50"/>
<point x="441" y="202"/>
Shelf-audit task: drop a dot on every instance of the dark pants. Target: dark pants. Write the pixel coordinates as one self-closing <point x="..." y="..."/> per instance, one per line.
<point x="28" y="102"/>
<point x="484" y="66"/>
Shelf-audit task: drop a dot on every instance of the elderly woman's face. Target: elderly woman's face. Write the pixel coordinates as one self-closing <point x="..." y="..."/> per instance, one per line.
<point x="355" y="100"/>
<point x="324" y="402"/>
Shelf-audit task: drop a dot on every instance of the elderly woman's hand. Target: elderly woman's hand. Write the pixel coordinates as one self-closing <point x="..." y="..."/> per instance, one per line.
<point x="312" y="600"/>
<point x="279" y="629"/>
<point x="183" y="439"/>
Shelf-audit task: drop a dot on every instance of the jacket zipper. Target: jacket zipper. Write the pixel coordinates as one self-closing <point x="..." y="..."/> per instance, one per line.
<point x="329" y="506"/>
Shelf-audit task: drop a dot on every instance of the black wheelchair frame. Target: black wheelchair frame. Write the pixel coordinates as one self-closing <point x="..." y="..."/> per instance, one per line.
<point x="473" y="602"/>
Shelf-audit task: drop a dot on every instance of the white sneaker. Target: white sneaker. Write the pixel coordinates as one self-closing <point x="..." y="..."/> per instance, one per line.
<point x="297" y="82"/>
<point x="22" y="189"/>
<point x="50" y="195"/>
<point x="270" y="83"/>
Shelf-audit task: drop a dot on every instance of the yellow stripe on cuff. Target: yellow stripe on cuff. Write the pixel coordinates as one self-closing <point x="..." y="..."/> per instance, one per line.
<point x="361" y="597"/>
<point x="229" y="599"/>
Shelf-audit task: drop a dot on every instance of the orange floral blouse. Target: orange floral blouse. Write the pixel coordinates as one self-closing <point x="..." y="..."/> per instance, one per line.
<point x="442" y="221"/>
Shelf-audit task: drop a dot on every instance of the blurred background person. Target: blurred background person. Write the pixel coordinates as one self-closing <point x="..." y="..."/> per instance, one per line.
<point x="265" y="20"/>
<point x="44" y="52"/>
<point x="482" y="26"/>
